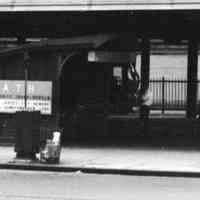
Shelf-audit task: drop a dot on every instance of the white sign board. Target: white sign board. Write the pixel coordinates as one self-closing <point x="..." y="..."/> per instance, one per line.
<point x="111" y="57"/>
<point x="12" y="95"/>
<point x="117" y="72"/>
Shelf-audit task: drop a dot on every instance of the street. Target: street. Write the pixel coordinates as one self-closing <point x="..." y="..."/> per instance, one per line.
<point x="28" y="185"/>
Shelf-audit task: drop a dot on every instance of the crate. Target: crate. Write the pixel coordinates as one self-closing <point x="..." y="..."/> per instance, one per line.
<point x="49" y="148"/>
<point x="50" y="153"/>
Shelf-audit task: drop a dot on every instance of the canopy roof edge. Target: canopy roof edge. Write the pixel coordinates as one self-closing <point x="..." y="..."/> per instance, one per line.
<point x="96" y="5"/>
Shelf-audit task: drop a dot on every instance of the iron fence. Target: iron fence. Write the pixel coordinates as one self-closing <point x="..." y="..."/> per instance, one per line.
<point x="170" y="94"/>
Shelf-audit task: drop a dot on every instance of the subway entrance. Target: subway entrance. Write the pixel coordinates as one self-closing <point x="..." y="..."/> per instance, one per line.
<point x="90" y="92"/>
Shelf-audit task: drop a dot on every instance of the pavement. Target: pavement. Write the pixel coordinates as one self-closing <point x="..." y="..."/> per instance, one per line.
<point x="113" y="159"/>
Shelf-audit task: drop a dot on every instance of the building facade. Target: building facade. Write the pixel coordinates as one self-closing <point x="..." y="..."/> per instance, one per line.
<point x="91" y="41"/>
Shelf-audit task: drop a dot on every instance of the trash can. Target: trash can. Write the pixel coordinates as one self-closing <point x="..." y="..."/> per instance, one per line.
<point x="27" y="134"/>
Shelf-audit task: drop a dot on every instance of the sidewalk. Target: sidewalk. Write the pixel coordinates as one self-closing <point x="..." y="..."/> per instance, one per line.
<point x="115" y="160"/>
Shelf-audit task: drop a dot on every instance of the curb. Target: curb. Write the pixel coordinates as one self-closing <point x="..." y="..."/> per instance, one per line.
<point x="101" y="170"/>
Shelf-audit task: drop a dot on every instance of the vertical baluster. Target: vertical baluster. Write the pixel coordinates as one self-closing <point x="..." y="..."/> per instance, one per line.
<point x="163" y="95"/>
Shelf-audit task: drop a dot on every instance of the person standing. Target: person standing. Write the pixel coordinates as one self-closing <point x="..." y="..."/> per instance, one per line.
<point x="133" y="85"/>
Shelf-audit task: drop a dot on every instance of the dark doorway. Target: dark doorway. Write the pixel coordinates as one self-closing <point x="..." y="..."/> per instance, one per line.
<point x="90" y="92"/>
<point x="84" y="95"/>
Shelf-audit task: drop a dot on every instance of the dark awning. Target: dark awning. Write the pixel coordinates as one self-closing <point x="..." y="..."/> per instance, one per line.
<point x="73" y="43"/>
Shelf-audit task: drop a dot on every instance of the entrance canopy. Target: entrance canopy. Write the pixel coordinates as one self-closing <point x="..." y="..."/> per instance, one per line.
<point x="103" y="42"/>
<point x="93" y="5"/>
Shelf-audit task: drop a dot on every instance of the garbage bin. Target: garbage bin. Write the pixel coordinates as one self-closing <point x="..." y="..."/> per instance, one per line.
<point x="27" y="134"/>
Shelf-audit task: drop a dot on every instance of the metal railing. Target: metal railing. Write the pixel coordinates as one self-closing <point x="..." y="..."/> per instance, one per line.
<point x="169" y="94"/>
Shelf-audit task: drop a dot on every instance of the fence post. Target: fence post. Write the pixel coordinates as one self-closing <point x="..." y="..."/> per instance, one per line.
<point x="163" y="95"/>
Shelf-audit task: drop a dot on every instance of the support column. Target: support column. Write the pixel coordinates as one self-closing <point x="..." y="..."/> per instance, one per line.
<point x="145" y="68"/>
<point x="57" y="89"/>
<point x="192" y="79"/>
<point x="21" y="39"/>
<point x="145" y="63"/>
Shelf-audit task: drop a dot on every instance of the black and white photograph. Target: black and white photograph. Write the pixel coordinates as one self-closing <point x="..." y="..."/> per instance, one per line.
<point x="99" y="99"/>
